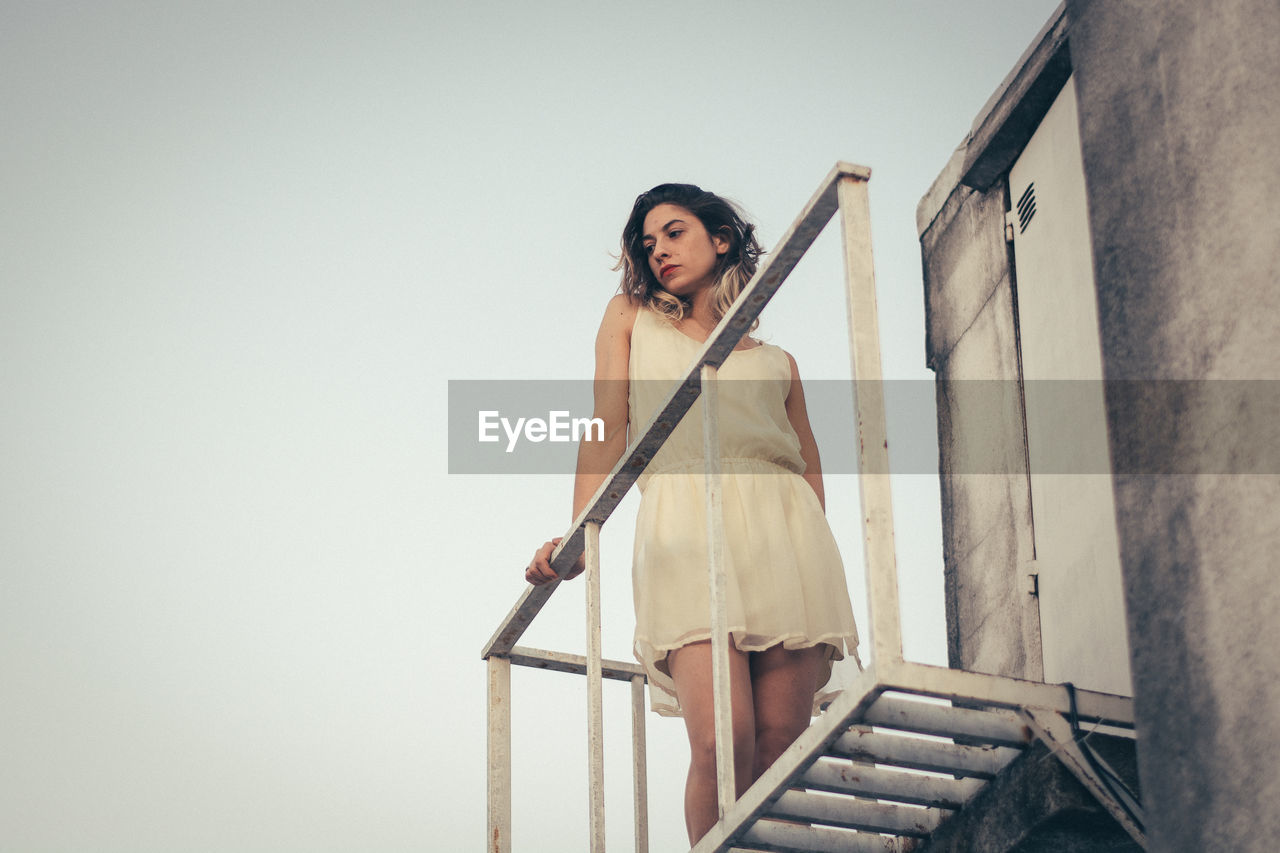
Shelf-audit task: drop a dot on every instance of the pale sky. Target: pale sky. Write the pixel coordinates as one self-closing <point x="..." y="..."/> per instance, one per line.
<point x="244" y="247"/>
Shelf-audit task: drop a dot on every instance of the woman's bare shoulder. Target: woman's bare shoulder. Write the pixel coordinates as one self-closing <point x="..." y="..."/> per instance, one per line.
<point x="620" y="314"/>
<point x="613" y="342"/>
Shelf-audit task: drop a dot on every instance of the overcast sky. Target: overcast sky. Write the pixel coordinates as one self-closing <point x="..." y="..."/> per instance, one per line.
<point x="243" y="249"/>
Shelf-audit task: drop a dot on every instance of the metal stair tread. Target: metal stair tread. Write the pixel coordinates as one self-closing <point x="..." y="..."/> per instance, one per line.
<point x="841" y="776"/>
<point x="856" y="813"/>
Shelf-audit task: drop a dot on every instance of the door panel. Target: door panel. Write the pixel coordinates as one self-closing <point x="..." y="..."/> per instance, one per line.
<point x="1082" y="617"/>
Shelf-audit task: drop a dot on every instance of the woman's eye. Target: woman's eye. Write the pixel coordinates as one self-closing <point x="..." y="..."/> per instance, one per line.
<point x="648" y="250"/>
<point x="674" y="234"/>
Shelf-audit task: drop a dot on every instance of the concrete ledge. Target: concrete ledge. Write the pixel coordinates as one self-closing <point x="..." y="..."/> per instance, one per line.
<point x="1006" y="123"/>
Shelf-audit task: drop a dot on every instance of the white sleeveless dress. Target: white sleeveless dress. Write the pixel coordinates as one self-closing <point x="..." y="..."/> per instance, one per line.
<point x="786" y="582"/>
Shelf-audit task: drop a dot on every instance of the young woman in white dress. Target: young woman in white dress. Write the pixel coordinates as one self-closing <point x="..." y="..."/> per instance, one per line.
<point x="686" y="255"/>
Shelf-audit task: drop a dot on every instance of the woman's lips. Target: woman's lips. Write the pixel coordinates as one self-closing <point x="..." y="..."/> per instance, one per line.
<point x="667" y="270"/>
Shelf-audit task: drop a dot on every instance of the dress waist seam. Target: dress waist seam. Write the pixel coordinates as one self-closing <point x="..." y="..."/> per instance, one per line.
<point x="728" y="465"/>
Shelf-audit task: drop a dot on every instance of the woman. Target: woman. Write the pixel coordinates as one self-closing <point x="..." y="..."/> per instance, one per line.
<point x="686" y="255"/>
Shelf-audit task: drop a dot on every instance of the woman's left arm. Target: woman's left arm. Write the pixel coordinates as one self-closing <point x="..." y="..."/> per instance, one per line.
<point x="799" y="417"/>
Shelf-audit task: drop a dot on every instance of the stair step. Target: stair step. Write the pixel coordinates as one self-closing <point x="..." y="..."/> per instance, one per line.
<point x="844" y="777"/>
<point x="854" y="813"/>
<point x="982" y="762"/>
<point x="994" y="727"/>
<point x="778" y="837"/>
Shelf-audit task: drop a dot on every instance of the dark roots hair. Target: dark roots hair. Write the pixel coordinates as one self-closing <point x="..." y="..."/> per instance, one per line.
<point x="719" y="217"/>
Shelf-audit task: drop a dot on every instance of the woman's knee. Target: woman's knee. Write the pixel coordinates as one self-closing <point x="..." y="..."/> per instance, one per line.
<point x="702" y="744"/>
<point x="773" y="740"/>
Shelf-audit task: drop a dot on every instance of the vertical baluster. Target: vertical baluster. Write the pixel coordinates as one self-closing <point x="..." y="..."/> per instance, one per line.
<point x="639" y="764"/>
<point x="595" y="683"/>
<point x="725" y="785"/>
<point x="872" y="439"/>
<point x="499" y="746"/>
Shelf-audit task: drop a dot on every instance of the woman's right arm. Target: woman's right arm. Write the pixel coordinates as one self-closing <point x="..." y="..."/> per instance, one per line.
<point x="597" y="458"/>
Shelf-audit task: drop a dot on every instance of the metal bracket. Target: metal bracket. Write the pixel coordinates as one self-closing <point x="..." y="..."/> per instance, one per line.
<point x="1051" y="729"/>
<point x="1032" y="570"/>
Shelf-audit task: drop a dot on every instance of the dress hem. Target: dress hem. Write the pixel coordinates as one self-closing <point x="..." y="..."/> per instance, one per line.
<point x="656" y="670"/>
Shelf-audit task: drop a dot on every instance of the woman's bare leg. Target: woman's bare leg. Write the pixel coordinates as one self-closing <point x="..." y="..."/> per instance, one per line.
<point x="782" y="686"/>
<point x="690" y="668"/>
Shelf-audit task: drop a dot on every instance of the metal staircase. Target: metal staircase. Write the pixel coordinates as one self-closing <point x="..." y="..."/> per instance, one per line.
<point x="898" y="752"/>
<point x="881" y="770"/>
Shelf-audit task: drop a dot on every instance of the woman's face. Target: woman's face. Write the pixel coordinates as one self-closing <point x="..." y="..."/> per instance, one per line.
<point x="682" y="255"/>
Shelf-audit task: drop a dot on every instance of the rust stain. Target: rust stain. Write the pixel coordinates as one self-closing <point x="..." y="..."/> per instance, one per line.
<point x="497" y="846"/>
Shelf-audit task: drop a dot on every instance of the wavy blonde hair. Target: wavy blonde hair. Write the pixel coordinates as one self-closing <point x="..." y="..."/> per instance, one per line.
<point x="720" y="217"/>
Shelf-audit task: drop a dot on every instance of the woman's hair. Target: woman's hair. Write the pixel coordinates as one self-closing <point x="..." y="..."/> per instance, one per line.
<point x="720" y="217"/>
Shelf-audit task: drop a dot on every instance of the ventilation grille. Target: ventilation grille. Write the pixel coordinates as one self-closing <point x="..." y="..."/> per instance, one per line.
<point x="1026" y="207"/>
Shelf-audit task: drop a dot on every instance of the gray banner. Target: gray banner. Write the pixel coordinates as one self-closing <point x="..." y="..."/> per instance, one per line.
<point x="1181" y="427"/>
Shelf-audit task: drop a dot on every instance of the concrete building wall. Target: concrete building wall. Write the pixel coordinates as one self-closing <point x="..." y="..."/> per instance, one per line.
<point x="992" y="620"/>
<point x="1179" y="118"/>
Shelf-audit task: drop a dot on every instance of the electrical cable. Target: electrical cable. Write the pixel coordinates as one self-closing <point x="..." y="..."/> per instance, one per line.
<point x="1125" y="796"/>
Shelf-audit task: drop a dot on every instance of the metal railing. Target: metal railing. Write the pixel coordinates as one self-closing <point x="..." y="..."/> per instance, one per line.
<point x="844" y="189"/>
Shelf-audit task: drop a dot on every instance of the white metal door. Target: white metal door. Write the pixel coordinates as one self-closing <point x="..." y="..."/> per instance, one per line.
<point x="1082" y="616"/>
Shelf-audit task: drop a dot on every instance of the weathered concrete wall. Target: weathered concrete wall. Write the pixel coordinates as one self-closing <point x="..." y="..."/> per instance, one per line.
<point x="1179" y="118"/>
<point x="992" y="620"/>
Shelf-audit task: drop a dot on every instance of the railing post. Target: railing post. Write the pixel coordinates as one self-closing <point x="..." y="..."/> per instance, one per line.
<point x="499" y="745"/>
<point x="639" y="764"/>
<point x="595" y="688"/>
<point x="726" y="787"/>
<point x="872" y="439"/>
